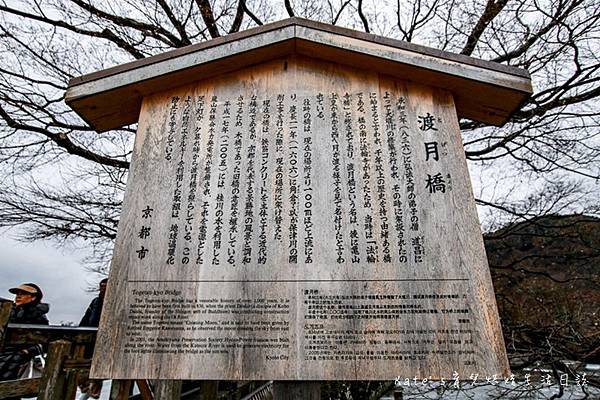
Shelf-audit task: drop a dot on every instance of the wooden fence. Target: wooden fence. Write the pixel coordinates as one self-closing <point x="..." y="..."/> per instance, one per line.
<point x="66" y="362"/>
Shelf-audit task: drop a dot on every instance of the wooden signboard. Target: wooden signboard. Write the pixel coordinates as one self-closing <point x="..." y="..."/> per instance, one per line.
<point x="299" y="219"/>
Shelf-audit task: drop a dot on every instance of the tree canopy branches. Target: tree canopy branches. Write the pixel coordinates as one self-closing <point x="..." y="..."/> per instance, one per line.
<point x="553" y="138"/>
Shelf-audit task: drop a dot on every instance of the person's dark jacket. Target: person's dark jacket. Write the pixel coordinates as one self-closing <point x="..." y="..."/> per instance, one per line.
<point x="92" y="315"/>
<point x="14" y="358"/>
<point x="30" y="314"/>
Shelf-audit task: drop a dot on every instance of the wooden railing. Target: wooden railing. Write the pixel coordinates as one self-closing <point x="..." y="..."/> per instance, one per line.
<point x="66" y="362"/>
<point x="265" y="392"/>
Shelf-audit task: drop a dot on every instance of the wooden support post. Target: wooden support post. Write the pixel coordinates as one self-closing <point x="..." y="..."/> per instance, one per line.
<point x="167" y="390"/>
<point x="52" y="386"/>
<point x="145" y="391"/>
<point x="296" y="390"/>
<point x="120" y="389"/>
<point x="5" y="308"/>
<point x="209" y="390"/>
<point x="72" y="378"/>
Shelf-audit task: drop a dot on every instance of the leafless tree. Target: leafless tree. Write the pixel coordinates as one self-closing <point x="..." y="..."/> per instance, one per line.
<point x="61" y="180"/>
<point x="552" y="141"/>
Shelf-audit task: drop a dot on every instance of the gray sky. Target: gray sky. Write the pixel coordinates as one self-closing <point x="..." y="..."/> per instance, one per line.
<point x="60" y="274"/>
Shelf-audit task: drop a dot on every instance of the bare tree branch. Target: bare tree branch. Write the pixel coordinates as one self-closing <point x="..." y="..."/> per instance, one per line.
<point x="185" y="40"/>
<point x="63" y="141"/>
<point x="104" y="34"/>
<point x="208" y="17"/>
<point x="288" y="8"/>
<point x="239" y="17"/>
<point x="364" y="20"/>
<point x="155" y="31"/>
<point x="250" y="14"/>
<point x="492" y="9"/>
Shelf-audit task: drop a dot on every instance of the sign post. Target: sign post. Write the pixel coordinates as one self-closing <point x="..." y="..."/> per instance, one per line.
<point x="299" y="208"/>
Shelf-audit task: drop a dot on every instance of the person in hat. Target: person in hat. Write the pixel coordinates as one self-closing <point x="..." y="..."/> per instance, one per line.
<point x="28" y="309"/>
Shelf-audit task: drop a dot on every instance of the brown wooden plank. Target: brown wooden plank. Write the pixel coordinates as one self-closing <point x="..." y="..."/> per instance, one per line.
<point x="5" y="308"/>
<point x="209" y="390"/>
<point x="19" y="387"/>
<point x="120" y="389"/>
<point x="167" y="389"/>
<point x="77" y="363"/>
<point x="145" y="390"/>
<point x="36" y="334"/>
<point x="52" y="385"/>
<point x="296" y="390"/>
<point x="73" y="375"/>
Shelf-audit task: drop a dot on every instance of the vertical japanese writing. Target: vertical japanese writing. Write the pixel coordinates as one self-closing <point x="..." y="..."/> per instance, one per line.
<point x="234" y="211"/>
<point x="179" y="173"/>
<point x="351" y="181"/>
<point x="210" y="144"/>
<point x="307" y="174"/>
<point x="193" y="182"/>
<point x="278" y="200"/>
<point x="337" y="180"/>
<point x="172" y="243"/>
<point x="293" y="174"/>
<point x="391" y="128"/>
<point x="221" y="179"/>
<point x="202" y="231"/>
<point x="170" y="142"/>
<point x="418" y="248"/>
<point x="218" y="225"/>
<point x="176" y="200"/>
<point x="246" y="171"/>
<point x="382" y="209"/>
<point x="407" y="154"/>
<point x="250" y="176"/>
<point x="372" y="248"/>
<point x="207" y="172"/>
<point x="320" y="106"/>
<point x="408" y="164"/>
<point x="144" y="232"/>
<point x="435" y="183"/>
<point x="264" y="186"/>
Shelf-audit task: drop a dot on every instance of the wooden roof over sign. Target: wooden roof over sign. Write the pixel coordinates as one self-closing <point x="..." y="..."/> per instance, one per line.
<point x="483" y="91"/>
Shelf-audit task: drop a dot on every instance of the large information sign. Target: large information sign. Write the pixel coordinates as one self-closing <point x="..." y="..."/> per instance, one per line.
<point x="299" y="220"/>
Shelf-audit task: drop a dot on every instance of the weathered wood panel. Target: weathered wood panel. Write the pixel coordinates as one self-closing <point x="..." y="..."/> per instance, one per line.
<point x="42" y="334"/>
<point x="5" y="309"/>
<point x="168" y="390"/>
<point x="120" y="389"/>
<point x="296" y="391"/>
<point x="299" y="220"/>
<point x="145" y="391"/>
<point x="52" y="384"/>
<point x="20" y="387"/>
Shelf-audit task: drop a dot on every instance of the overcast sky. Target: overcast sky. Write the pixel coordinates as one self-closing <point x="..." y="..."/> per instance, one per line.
<point x="60" y="274"/>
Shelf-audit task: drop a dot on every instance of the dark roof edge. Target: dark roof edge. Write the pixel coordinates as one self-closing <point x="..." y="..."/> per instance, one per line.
<point x="308" y="24"/>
